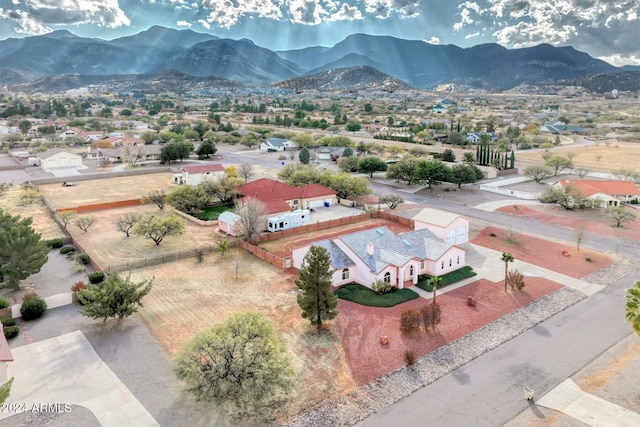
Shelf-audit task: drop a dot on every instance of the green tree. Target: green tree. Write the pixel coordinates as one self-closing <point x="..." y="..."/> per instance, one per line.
<point x="317" y="301"/>
<point x="223" y="188"/>
<point x="537" y="173"/>
<point x="506" y="258"/>
<point x="157" y="228"/>
<point x="463" y="174"/>
<point x="304" y="156"/>
<point x="432" y="172"/>
<point x="469" y="158"/>
<point x="187" y="198"/>
<point x="240" y="365"/>
<point x="22" y="251"/>
<point x="632" y="306"/>
<point x="448" y="155"/>
<point x="435" y="282"/>
<point x="618" y="215"/>
<point x="206" y="149"/>
<point x="347" y="152"/>
<point x="5" y="390"/>
<point x="348" y="164"/>
<point x="368" y="108"/>
<point x="249" y="140"/>
<point x="391" y="200"/>
<point x="348" y="186"/>
<point x="404" y="170"/>
<point x="353" y="126"/>
<point x="24" y="126"/>
<point x="115" y="297"/>
<point x="224" y="246"/>
<point x="558" y="164"/>
<point x="371" y="165"/>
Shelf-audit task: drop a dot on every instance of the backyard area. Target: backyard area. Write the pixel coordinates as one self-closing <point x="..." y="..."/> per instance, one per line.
<point x="42" y="221"/>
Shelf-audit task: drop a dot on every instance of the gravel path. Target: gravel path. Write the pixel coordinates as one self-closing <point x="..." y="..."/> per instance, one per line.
<point x="390" y="388"/>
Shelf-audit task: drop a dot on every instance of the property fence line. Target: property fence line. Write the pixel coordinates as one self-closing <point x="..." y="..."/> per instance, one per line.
<point x="98" y="175"/>
<point x="100" y="206"/>
<point x="513" y="193"/>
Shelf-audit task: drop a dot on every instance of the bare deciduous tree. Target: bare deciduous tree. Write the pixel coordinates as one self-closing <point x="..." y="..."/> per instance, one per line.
<point x="131" y="152"/>
<point x="252" y="218"/>
<point x="157" y="197"/>
<point x="581" y="172"/>
<point x="578" y="235"/>
<point x="84" y="222"/>
<point x="222" y="188"/>
<point x="245" y="170"/>
<point x="126" y="222"/>
<point x="65" y="217"/>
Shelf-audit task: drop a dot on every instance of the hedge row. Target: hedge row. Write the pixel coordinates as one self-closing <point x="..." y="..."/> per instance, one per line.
<point x="365" y="296"/>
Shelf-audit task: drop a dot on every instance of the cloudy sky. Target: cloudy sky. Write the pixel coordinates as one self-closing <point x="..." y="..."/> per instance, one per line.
<point x="607" y="29"/>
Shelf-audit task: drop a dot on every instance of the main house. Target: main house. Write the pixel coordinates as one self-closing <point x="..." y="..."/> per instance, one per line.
<point x="447" y="226"/>
<point x="367" y="256"/>
<point x="602" y="193"/>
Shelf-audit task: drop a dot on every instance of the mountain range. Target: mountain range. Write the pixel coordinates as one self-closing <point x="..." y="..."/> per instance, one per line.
<point x="60" y="59"/>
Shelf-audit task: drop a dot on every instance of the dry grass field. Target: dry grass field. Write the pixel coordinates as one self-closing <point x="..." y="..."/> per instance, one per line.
<point x="106" y="190"/>
<point x="188" y="296"/>
<point x="42" y="221"/>
<point x="593" y="157"/>
<point x="109" y="247"/>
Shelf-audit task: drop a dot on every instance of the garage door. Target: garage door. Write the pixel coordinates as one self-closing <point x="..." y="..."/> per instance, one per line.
<point x="316" y="203"/>
<point x="462" y="235"/>
<point x="451" y="237"/>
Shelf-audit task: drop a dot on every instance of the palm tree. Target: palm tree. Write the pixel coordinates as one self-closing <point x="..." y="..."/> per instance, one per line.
<point x="506" y="258"/>
<point x="633" y="307"/>
<point x="224" y="246"/>
<point x="435" y="283"/>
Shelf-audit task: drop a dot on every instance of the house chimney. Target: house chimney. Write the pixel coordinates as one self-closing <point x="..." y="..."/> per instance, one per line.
<point x="370" y="248"/>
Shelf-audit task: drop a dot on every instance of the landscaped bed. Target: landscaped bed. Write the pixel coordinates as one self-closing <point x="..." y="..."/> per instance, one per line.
<point x="447" y="279"/>
<point x="365" y="296"/>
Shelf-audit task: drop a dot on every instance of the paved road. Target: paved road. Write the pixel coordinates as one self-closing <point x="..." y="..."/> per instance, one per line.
<point x="489" y="390"/>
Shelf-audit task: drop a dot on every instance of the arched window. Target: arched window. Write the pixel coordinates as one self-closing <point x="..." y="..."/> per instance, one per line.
<point x="411" y="271"/>
<point x="387" y="277"/>
<point x="345" y="274"/>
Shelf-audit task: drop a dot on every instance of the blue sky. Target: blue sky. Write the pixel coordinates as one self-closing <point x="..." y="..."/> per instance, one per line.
<point x="606" y="29"/>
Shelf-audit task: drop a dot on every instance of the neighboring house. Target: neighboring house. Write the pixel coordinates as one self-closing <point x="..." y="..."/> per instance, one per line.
<point x="280" y="198"/>
<point x="603" y="193"/>
<point x="447" y="226"/>
<point x="194" y="175"/>
<point x="229" y="223"/>
<point x="58" y="158"/>
<point x="379" y="254"/>
<point x="70" y="133"/>
<point x="329" y="153"/>
<point x="558" y="126"/>
<point x="439" y="109"/>
<point x="276" y="144"/>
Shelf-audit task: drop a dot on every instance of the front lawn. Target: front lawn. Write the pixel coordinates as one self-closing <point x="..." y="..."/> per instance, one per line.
<point x="211" y="213"/>
<point x="447" y="279"/>
<point x="362" y="295"/>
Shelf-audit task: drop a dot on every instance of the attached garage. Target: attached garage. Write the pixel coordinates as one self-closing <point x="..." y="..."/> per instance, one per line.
<point x="461" y="235"/>
<point x="451" y="237"/>
<point x="316" y="203"/>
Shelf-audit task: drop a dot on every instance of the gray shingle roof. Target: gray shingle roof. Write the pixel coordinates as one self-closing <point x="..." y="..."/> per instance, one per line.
<point x="339" y="259"/>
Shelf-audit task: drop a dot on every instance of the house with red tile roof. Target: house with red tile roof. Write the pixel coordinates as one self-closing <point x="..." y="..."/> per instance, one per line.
<point x="279" y="197"/>
<point x="603" y="193"/>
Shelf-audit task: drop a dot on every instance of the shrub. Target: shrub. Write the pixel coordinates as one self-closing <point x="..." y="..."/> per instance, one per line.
<point x="96" y="277"/>
<point x="67" y="249"/>
<point x="588" y="259"/>
<point x="78" y="286"/>
<point x="33" y="309"/>
<point x="4" y="303"/>
<point x="79" y="268"/>
<point x="82" y="259"/>
<point x="381" y="287"/>
<point x="409" y="357"/>
<point x="29" y="296"/>
<point x="282" y="158"/>
<point x="365" y="296"/>
<point x="11" y="332"/>
<point x="55" y="243"/>
<point x="8" y="321"/>
<point x="635" y="202"/>
<point x="410" y="321"/>
<point x="430" y="315"/>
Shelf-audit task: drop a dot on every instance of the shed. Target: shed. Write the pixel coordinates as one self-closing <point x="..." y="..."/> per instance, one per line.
<point x="229" y="223"/>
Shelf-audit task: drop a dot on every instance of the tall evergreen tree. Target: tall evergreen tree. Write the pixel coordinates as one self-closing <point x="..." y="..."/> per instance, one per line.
<point x="22" y="251"/>
<point x="304" y="155"/>
<point x="317" y="301"/>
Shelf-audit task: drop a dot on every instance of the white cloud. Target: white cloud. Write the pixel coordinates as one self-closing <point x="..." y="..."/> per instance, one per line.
<point x="346" y="13"/>
<point x="432" y="40"/>
<point x="384" y="8"/>
<point x="472" y="35"/>
<point x="308" y="12"/>
<point x="183" y="24"/>
<point x="39" y="16"/>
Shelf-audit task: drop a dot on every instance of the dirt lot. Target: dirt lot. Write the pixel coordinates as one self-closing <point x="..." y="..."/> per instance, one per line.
<point x="543" y="253"/>
<point x="42" y="221"/>
<point x="109" y="247"/>
<point x="283" y="247"/>
<point x="106" y="190"/>
<point x="188" y="297"/>
<point x="588" y="219"/>
<point x="592" y="157"/>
